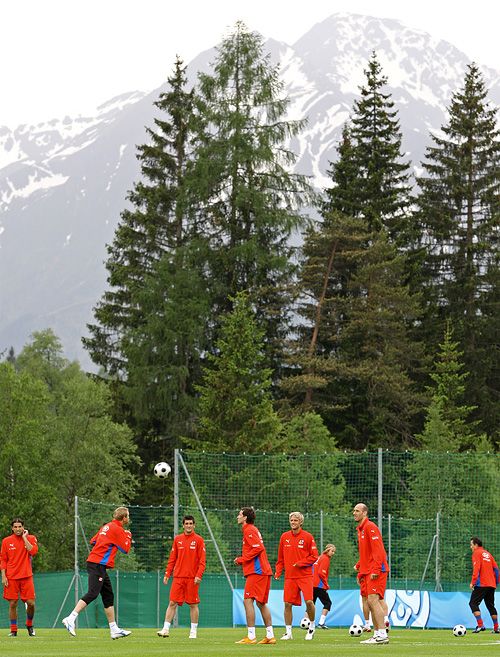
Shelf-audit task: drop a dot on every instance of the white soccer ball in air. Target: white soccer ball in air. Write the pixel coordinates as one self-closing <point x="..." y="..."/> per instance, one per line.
<point x="162" y="470"/>
<point x="304" y="623"/>
<point x="459" y="630"/>
<point x="355" y="630"/>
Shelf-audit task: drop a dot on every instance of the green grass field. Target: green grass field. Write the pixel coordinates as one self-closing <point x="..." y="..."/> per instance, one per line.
<point x="215" y="643"/>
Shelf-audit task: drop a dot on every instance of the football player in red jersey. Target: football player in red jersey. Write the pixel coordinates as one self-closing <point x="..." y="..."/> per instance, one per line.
<point x="17" y="576"/>
<point x="296" y="554"/>
<point x="257" y="572"/>
<point x="110" y="538"/>
<point x="372" y="569"/>
<point x="187" y="562"/>
<point x="484" y="581"/>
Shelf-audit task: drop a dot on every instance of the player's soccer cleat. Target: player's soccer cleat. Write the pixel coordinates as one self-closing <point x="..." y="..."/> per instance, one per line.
<point x="164" y="632"/>
<point x="12" y="633"/>
<point x="371" y="640"/>
<point x="69" y="625"/>
<point x="269" y="641"/>
<point x="309" y="634"/>
<point x="192" y="634"/>
<point x="286" y="637"/>
<point x="495" y="631"/>
<point x="31" y="631"/>
<point x="367" y="628"/>
<point x="119" y="633"/>
<point x="323" y="627"/>
<point x="478" y="629"/>
<point x="247" y="641"/>
<point x="381" y="639"/>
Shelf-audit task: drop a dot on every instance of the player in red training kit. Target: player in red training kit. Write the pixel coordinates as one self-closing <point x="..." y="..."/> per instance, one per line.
<point x="187" y="561"/>
<point x="321" y="571"/>
<point x="257" y="573"/>
<point x="110" y="538"/>
<point x="372" y="569"/>
<point x="296" y="554"/>
<point x="483" y="584"/>
<point x="17" y="575"/>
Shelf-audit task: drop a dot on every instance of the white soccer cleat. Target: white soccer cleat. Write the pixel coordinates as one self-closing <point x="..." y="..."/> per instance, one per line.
<point x="164" y="632"/>
<point x="310" y="634"/>
<point x="69" y="624"/>
<point x="381" y="639"/>
<point x="286" y="637"/>
<point x="119" y="633"/>
<point x="192" y="634"/>
<point x="371" y="640"/>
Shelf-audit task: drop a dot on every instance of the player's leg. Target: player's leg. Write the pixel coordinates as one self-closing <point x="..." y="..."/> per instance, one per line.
<point x="194" y="614"/>
<point x="288" y="615"/>
<point x="95" y="575"/>
<point x="13" y="616"/>
<point x="108" y="601"/>
<point x="30" y="613"/>
<point x="267" y="619"/>
<point x="489" y="600"/>
<point x="249" y="616"/>
<point x="169" y="617"/>
<point x="477" y="596"/>
<point x="327" y="605"/>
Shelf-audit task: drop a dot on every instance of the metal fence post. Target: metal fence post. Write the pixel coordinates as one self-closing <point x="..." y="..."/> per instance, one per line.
<point x="176" y="492"/>
<point x="379" y="477"/>
<point x="438" y="553"/>
<point x="321" y="530"/>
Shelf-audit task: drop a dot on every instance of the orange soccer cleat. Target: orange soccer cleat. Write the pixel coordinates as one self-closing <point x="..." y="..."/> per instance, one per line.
<point x="247" y="641"/>
<point x="265" y="640"/>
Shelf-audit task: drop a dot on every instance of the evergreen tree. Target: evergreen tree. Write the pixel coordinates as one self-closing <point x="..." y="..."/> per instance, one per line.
<point x="248" y="196"/>
<point x="381" y="193"/>
<point x="236" y="410"/>
<point x="447" y="425"/>
<point x="158" y="223"/>
<point x="459" y="209"/>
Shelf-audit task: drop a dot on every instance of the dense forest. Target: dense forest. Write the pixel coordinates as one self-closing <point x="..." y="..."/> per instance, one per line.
<point x="218" y="332"/>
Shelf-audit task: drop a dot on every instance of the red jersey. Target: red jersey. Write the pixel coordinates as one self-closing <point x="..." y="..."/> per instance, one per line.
<point x="15" y="559"/>
<point x="299" y="549"/>
<point x="253" y="555"/>
<point x="321" y="570"/>
<point x="372" y="556"/>
<point x="187" y="557"/>
<point x="109" y="539"/>
<point x="484" y="568"/>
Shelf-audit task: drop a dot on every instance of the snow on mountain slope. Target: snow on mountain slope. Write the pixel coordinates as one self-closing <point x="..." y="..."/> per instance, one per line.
<point x="63" y="183"/>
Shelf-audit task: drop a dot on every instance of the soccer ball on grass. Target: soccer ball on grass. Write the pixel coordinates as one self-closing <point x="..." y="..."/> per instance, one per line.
<point x="355" y="630"/>
<point x="459" y="630"/>
<point x="162" y="470"/>
<point x="304" y="623"/>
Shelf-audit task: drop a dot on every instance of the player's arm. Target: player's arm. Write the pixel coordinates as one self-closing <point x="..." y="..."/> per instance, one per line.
<point x="311" y="558"/>
<point x="202" y="561"/>
<point x="378" y="552"/>
<point x="254" y="547"/>
<point x="476" y="567"/>
<point x="280" y="563"/>
<point x="496" y="571"/>
<point x="30" y="543"/>
<point x="122" y="539"/>
<point x="171" y="562"/>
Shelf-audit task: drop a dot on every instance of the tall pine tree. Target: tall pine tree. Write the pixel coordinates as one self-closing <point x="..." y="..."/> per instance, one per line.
<point x="250" y="199"/>
<point x="459" y="209"/>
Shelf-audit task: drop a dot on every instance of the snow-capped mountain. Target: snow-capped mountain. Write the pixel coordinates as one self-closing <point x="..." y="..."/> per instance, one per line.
<point x="63" y="183"/>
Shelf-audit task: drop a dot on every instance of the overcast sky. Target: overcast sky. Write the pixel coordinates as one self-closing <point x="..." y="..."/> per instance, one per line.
<point x="63" y="57"/>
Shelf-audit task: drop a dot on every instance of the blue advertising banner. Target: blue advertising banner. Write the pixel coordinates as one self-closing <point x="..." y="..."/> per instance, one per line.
<point x="406" y="609"/>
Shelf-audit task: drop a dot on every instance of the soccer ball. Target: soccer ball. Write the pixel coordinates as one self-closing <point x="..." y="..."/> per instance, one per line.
<point x="459" y="630"/>
<point x="355" y="630"/>
<point x="304" y="623"/>
<point x="162" y="470"/>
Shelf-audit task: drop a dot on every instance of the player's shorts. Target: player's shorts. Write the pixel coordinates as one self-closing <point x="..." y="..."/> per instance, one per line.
<point x="257" y="587"/>
<point x="183" y="590"/>
<point x="295" y="586"/>
<point x="23" y="588"/>
<point x="376" y="586"/>
<point x="322" y="594"/>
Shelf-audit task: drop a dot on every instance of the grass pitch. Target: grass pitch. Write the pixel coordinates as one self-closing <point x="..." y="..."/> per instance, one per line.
<point x="220" y="643"/>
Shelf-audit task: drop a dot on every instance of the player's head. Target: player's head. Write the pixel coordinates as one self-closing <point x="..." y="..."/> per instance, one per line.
<point x="121" y="514"/>
<point x="248" y="512"/>
<point x="296" y="519"/>
<point x="330" y="549"/>
<point x="360" y="512"/>
<point x="188" y="524"/>
<point x="475" y="542"/>
<point x="17" y="525"/>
